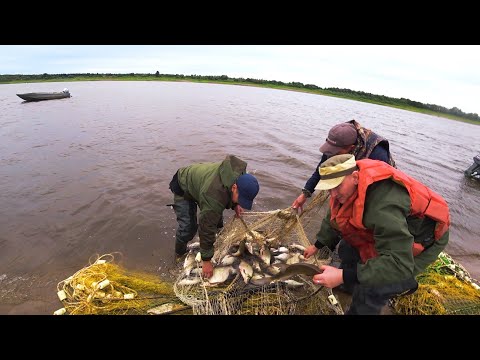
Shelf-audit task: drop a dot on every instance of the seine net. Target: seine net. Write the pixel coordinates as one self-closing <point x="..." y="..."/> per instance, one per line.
<point x="251" y="256"/>
<point x="445" y="288"/>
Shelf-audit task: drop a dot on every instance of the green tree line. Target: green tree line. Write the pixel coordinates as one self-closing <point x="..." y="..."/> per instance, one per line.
<point x="338" y="92"/>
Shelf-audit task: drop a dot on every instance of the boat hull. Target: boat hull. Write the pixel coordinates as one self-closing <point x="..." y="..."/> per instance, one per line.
<point x="474" y="170"/>
<point x="39" y="96"/>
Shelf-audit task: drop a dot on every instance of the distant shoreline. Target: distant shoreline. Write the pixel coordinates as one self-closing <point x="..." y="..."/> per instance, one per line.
<point x="241" y="83"/>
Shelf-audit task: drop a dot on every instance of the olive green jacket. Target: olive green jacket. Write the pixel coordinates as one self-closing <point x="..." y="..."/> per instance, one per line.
<point x="209" y="185"/>
<point x="386" y="213"/>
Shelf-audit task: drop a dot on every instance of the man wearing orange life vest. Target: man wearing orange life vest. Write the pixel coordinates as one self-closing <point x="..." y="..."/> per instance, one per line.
<point x="397" y="226"/>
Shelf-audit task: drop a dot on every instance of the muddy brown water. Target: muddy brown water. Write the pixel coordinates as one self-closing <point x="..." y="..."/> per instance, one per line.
<point x="89" y="174"/>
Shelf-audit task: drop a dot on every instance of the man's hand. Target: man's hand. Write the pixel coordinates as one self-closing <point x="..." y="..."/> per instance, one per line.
<point x="309" y="251"/>
<point x="238" y="210"/>
<point x="330" y="277"/>
<point x="298" y="203"/>
<point x="207" y="269"/>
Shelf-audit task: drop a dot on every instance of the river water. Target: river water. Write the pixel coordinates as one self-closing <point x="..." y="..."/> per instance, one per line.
<point x="89" y="174"/>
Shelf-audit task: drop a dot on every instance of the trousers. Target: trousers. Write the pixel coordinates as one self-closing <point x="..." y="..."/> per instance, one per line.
<point x="186" y="213"/>
<point x="369" y="300"/>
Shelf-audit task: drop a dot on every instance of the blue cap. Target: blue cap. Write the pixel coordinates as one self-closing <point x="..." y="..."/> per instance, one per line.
<point x="247" y="190"/>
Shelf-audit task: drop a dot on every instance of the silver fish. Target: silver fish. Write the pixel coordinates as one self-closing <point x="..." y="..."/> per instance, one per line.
<point x="256" y="266"/>
<point x="289" y="271"/>
<point x="292" y="283"/>
<point x="166" y="308"/>
<point x="241" y="249"/>
<point x="274" y="269"/>
<point x="280" y="250"/>
<point x="227" y="260"/>
<point x="189" y="263"/>
<point x="295" y="258"/>
<point x="220" y="274"/>
<point x="252" y="248"/>
<point x="265" y="254"/>
<point x="282" y="257"/>
<point x="189" y="281"/>
<point x="297" y="247"/>
<point x="257" y="276"/>
<point x="196" y="271"/>
<point x="246" y="271"/>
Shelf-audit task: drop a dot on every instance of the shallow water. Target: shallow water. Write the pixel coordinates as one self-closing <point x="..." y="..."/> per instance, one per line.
<point x="89" y="174"/>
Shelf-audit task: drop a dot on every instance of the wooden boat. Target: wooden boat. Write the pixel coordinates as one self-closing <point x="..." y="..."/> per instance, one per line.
<point x="38" y="96"/>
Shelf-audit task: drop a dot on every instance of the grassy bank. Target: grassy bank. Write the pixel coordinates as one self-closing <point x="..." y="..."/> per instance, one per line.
<point x="356" y="96"/>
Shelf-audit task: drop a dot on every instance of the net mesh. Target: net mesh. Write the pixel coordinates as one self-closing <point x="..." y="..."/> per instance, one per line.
<point x="445" y="288"/>
<point x="258" y="241"/>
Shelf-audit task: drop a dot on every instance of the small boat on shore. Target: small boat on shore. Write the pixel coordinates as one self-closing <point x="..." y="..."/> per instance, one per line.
<point x="474" y="170"/>
<point x="39" y="96"/>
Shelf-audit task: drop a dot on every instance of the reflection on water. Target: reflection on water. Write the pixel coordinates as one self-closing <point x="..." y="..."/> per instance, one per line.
<point x="90" y="174"/>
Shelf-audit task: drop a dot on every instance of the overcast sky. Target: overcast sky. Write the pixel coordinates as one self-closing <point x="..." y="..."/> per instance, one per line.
<point x="446" y="75"/>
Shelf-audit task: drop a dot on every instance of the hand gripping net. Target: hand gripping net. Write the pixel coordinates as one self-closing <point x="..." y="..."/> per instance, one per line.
<point x="283" y="233"/>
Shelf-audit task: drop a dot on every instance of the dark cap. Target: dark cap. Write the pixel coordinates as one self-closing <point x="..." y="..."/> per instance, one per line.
<point x="339" y="136"/>
<point x="247" y="190"/>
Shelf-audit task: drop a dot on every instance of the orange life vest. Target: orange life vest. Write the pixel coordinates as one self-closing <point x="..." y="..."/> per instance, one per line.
<point x="349" y="217"/>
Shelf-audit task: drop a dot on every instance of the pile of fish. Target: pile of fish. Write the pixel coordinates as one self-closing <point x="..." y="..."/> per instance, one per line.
<point x="257" y="262"/>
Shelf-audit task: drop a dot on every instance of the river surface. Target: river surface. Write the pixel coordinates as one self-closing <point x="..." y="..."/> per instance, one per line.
<point x="89" y="174"/>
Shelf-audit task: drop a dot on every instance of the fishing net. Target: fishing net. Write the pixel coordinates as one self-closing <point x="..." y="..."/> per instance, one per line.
<point x="279" y="234"/>
<point x="297" y="295"/>
<point x="445" y="288"/>
<point x="103" y="287"/>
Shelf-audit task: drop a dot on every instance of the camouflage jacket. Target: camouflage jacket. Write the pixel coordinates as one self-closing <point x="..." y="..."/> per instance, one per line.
<point x="367" y="140"/>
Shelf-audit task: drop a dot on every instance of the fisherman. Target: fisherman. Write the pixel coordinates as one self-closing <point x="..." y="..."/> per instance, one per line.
<point x="347" y="138"/>
<point x="213" y="187"/>
<point x="397" y="226"/>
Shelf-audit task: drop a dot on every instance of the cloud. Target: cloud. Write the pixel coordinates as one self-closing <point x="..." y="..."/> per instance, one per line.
<point x="446" y="75"/>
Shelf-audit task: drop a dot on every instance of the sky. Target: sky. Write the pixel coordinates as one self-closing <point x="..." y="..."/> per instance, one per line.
<point x="445" y="75"/>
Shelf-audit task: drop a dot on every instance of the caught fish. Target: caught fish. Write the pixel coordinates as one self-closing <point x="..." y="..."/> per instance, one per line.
<point x="289" y="271"/>
<point x="246" y="271"/>
<point x="257" y="276"/>
<point x="265" y="254"/>
<point x="279" y="251"/>
<point x="196" y="271"/>
<point x="297" y="247"/>
<point x="241" y="249"/>
<point x="292" y="283"/>
<point x="220" y="274"/>
<point x="189" y="263"/>
<point x="189" y="281"/>
<point x="270" y="240"/>
<point x="227" y="260"/>
<point x="252" y="248"/>
<point x="166" y="308"/>
<point x="256" y="266"/>
<point x="282" y="257"/>
<point x="274" y="269"/>
<point x="295" y="258"/>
